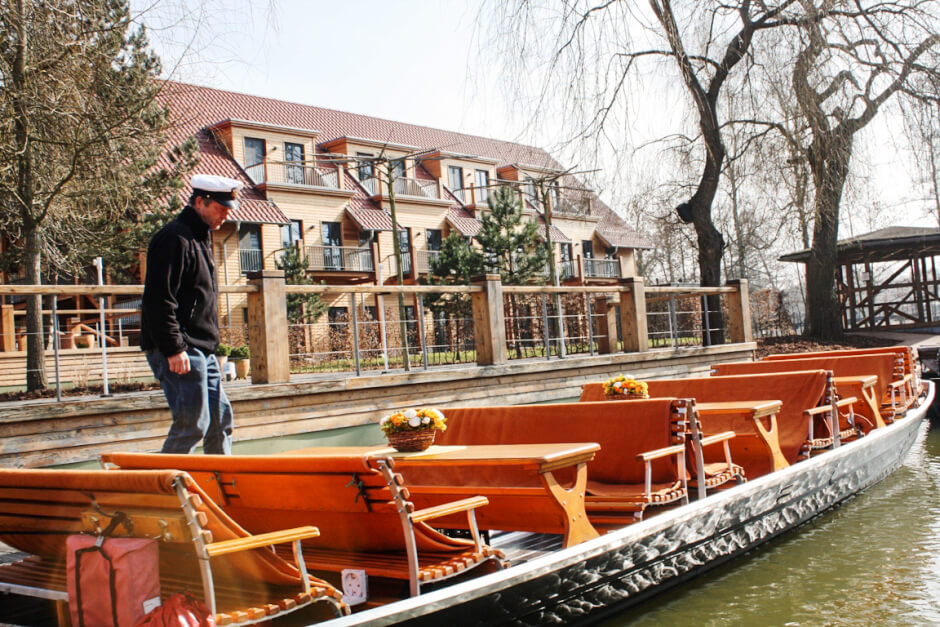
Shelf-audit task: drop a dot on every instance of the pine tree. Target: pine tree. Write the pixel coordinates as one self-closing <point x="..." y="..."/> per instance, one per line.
<point x="511" y="244"/>
<point x="81" y="131"/>
<point x="301" y="308"/>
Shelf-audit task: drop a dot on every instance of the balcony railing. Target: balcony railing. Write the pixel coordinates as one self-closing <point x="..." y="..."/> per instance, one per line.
<point x="340" y="258"/>
<point x="565" y="270"/>
<point x="288" y="173"/>
<point x="417" y="188"/>
<point x="602" y="268"/>
<point x="477" y="197"/>
<point x="425" y="257"/>
<point x="250" y="259"/>
<point x="389" y="263"/>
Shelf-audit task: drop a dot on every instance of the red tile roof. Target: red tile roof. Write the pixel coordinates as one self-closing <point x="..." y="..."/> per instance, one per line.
<point x="196" y="108"/>
<point x="463" y="221"/>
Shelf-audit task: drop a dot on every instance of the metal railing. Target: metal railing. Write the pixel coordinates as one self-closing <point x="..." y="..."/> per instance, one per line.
<point x="250" y="260"/>
<point x="425" y="258"/>
<point x="340" y="258"/>
<point x="540" y="322"/>
<point x="417" y="188"/>
<point x="602" y="268"/>
<point x="289" y="173"/>
<point x="680" y="320"/>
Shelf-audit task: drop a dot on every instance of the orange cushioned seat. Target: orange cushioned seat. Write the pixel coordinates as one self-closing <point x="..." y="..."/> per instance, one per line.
<point x="797" y="391"/>
<point x="881" y="365"/>
<point x="201" y="549"/>
<point x="906" y="376"/>
<point x="634" y="437"/>
<point x="355" y="501"/>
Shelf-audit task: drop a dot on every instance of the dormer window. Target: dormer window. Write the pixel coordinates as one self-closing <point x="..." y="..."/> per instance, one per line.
<point x="365" y="168"/>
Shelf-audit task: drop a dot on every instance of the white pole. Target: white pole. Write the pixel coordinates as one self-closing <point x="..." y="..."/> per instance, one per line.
<point x="99" y="263"/>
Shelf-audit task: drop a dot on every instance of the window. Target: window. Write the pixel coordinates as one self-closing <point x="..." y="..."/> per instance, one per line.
<point x="404" y="245"/>
<point x="482" y="180"/>
<point x="529" y="186"/>
<point x="249" y="247"/>
<point x="292" y="233"/>
<point x="337" y="315"/>
<point x="367" y="237"/>
<point x="454" y="177"/>
<point x="365" y="168"/>
<point x="254" y="159"/>
<point x="434" y="239"/>
<point x="294" y="153"/>
<point x="332" y="240"/>
<point x="587" y="247"/>
<point x="611" y="253"/>
<point x="398" y="169"/>
<point x="556" y="197"/>
<point x="565" y="252"/>
<point x="372" y="313"/>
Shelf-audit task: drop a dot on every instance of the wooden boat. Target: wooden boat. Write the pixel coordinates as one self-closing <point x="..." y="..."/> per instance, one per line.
<point x="603" y="576"/>
<point x="576" y="576"/>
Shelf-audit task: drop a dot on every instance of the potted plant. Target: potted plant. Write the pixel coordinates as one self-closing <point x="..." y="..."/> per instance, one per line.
<point x="624" y="386"/>
<point x="413" y="429"/>
<point x="239" y="356"/>
<point x="221" y="355"/>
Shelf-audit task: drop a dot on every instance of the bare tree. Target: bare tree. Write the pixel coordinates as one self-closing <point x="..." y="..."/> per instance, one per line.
<point x="854" y="57"/>
<point x="80" y="130"/>
<point x="705" y="41"/>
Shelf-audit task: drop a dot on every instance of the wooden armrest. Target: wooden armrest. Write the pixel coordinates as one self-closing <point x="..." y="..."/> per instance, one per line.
<point x="822" y="409"/>
<point x="899" y="384"/>
<point x="453" y="507"/>
<point x="661" y="452"/>
<point x="845" y="402"/>
<point x="261" y="540"/>
<point x="718" y="437"/>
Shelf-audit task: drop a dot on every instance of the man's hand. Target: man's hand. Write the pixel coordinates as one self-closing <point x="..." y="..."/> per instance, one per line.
<point x="179" y="363"/>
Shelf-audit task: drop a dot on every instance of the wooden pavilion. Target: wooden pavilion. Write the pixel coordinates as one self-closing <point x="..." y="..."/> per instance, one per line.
<point x="887" y="279"/>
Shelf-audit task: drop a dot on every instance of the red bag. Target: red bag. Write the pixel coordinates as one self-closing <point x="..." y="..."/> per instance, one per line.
<point x="180" y="610"/>
<point x="112" y="582"/>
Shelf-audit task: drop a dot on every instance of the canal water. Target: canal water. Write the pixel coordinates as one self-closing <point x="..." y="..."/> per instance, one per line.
<point x="873" y="561"/>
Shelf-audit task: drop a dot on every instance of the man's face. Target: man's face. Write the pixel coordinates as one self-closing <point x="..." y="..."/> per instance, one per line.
<point x="212" y="213"/>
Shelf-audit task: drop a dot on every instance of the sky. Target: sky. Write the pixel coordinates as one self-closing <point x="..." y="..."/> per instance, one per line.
<point x="407" y="60"/>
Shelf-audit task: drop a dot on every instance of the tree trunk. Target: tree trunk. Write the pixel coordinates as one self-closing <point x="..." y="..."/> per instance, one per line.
<point x="829" y="161"/>
<point x="35" y="353"/>
<point x="710" y="241"/>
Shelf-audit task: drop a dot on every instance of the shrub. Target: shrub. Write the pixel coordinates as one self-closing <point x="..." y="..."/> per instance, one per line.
<point x="239" y="352"/>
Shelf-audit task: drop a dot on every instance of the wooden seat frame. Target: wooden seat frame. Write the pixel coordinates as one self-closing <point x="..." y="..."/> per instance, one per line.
<point x="182" y="526"/>
<point x="322" y="556"/>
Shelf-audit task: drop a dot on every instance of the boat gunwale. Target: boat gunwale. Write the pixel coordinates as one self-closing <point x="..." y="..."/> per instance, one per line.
<point x="492" y="583"/>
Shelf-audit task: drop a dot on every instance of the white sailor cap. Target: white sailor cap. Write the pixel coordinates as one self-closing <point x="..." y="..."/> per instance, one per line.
<point x="221" y="189"/>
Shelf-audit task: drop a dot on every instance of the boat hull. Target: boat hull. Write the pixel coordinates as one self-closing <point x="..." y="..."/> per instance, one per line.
<point x="586" y="582"/>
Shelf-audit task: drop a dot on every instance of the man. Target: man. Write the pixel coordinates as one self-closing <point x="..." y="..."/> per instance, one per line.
<point x="180" y="319"/>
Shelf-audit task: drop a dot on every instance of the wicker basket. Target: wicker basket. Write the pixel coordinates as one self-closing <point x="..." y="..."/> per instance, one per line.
<point x="409" y="441"/>
<point x="626" y="397"/>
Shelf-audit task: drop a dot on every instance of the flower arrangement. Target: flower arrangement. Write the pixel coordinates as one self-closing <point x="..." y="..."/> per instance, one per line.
<point x="413" y="429"/>
<point x="626" y="386"/>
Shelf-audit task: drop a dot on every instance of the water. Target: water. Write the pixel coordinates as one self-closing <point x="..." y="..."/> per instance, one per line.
<point x="873" y="561"/>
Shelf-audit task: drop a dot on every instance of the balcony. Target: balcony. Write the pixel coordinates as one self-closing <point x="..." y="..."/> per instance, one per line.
<point x="415" y="188"/>
<point x="250" y="260"/>
<point x="289" y="173"/>
<point x="566" y="270"/>
<point x="601" y="268"/>
<point x="425" y="258"/>
<point x="339" y="259"/>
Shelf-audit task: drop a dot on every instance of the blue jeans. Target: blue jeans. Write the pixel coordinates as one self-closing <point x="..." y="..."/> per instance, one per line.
<point x="200" y="409"/>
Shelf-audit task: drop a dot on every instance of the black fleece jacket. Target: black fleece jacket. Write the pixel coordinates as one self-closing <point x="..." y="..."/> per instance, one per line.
<point x="180" y="304"/>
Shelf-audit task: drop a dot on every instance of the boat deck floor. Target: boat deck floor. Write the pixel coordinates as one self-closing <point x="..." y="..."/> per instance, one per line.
<point x="524" y="546"/>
